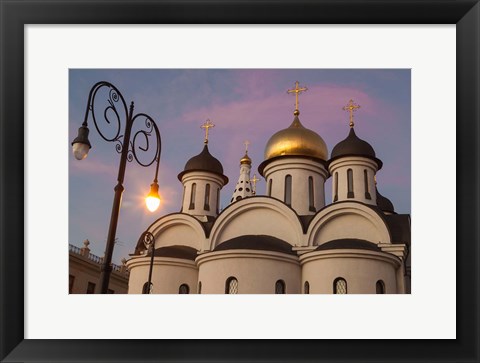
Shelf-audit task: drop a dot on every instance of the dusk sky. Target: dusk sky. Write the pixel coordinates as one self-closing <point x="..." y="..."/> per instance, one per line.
<point x="244" y="104"/>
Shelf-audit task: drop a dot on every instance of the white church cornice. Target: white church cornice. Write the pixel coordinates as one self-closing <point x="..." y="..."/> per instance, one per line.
<point x="350" y="253"/>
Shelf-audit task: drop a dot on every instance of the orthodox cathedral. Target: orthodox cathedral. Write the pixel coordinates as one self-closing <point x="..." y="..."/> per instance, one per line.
<point x="287" y="241"/>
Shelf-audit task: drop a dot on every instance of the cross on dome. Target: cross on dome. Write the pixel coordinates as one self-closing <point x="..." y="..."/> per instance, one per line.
<point x="297" y="91"/>
<point x="207" y="125"/>
<point x="246" y="143"/>
<point x="254" y="181"/>
<point x="351" y="107"/>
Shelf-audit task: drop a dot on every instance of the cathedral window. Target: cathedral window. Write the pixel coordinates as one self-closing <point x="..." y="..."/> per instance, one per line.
<point x="206" y="205"/>
<point x="339" y="286"/>
<point x="231" y="286"/>
<point x="350" y="183"/>
<point x="365" y="177"/>
<point x="306" y="288"/>
<point x="311" y="203"/>
<point x="380" y="287"/>
<point x="269" y="188"/>
<point x="335" y="182"/>
<point x="288" y="190"/>
<point x="280" y="287"/>
<point x="192" y="196"/>
<point x="183" y="289"/>
<point x="200" y="287"/>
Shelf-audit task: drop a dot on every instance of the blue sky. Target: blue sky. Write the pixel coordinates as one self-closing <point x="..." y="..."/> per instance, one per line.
<point x="244" y="104"/>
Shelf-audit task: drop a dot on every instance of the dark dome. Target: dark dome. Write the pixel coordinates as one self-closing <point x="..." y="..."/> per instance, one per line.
<point x="204" y="162"/>
<point x="384" y="203"/>
<point x="184" y="252"/>
<point x="256" y="242"/>
<point x="348" y="243"/>
<point x="353" y="146"/>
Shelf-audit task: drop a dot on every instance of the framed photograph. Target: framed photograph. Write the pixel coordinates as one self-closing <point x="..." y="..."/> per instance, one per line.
<point x="438" y="321"/>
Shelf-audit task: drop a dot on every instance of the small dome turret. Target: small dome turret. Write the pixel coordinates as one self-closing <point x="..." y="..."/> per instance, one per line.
<point x="246" y="159"/>
<point x="202" y="179"/>
<point x="203" y="162"/>
<point x="353" y="145"/>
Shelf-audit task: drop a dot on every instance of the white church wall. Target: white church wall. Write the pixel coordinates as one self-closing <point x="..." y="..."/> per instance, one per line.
<point x="257" y="216"/>
<point x="358" y="165"/>
<point x="300" y="169"/>
<point x="200" y="179"/>
<point x="360" y="268"/>
<point x="256" y="271"/>
<point x="167" y="275"/>
<point x="347" y="220"/>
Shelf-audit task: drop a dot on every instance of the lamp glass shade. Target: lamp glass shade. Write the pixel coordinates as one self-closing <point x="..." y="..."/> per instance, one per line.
<point x="81" y="145"/>
<point x="153" y="199"/>
<point x="80" y="150"/>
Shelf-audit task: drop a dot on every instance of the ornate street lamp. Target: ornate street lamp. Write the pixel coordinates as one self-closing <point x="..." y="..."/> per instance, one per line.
<point x="149" y="242"/>
<point x="113" y="113"/>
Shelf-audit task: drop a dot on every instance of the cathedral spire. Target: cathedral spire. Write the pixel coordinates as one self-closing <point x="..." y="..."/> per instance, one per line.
<point x="297" y="91"/>
<point x="243" y="188"/>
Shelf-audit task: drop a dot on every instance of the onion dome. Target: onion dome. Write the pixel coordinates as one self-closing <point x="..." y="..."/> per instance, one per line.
<point x="296" y="140"/>
<point x="204" y="162"/>
<point x="384" y="203"/>
<point x="246" y="159"/>
<point x="354" y="146"/>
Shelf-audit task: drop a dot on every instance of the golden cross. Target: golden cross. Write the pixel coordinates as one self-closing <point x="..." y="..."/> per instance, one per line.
<point x="207" y="125"/>
<point x="351" y="107"/>
<point x="246" y="143"/>
<point x="297" y="91"/>
<point x="254" y="181"/>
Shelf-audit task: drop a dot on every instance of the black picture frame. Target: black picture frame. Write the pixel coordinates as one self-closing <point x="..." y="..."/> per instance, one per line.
<point x="15" y="14"/>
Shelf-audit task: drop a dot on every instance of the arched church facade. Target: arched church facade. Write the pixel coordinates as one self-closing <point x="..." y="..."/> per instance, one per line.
<point x="287" y="241"/>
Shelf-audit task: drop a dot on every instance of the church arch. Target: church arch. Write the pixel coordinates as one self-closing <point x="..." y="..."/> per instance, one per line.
<point x="263" y="216"/>
<point x="178" y="229"/>
<point x="364" y="223"/>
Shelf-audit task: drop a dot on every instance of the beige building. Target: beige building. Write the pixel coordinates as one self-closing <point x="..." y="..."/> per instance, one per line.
<point x="84" y="272"/>
<point x="287" y="241"/>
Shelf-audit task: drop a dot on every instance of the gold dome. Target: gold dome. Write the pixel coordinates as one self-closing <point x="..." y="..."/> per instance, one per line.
<point x="296" y="140"/>
<point x="246" y="159"/>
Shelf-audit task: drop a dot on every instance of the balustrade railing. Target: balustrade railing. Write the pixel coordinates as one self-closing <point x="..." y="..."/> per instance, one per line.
<point x="92" y="257"/>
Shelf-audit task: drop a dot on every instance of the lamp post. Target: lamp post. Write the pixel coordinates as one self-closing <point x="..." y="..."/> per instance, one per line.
<point x="115" y="112"/>
<point x="149" y="242"/>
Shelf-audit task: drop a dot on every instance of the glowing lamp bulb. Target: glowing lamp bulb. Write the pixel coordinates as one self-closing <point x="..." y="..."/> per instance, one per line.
<point x="153" y="199"/>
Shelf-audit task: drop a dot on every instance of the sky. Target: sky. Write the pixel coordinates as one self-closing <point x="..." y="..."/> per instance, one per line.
<point x="244" y="104"/>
